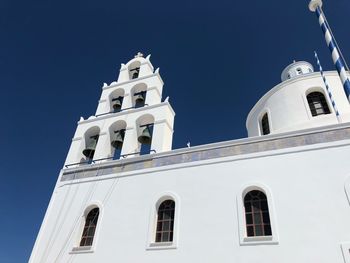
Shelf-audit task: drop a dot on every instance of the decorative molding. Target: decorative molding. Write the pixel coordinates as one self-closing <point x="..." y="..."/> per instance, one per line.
<point x="345" y="247"/>
<point x="156" y="74"/>
<point x="238" y="148"/>
<point x="124" y="112"/>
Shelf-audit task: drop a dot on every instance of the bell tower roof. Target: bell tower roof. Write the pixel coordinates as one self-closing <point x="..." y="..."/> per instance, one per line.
<point x="139" y="58"/>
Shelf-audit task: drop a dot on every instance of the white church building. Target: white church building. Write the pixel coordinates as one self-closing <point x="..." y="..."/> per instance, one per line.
<point x="280" y="195"/>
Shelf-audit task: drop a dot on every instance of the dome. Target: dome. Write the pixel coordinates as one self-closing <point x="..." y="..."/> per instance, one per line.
<point x="295" y="69"/>
<point x="301" y="102"/>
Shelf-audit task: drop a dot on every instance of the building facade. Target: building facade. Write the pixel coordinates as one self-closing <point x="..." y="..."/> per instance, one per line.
<point x="280" y="195"/>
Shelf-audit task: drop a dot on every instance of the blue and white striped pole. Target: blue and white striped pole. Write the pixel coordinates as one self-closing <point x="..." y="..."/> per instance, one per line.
<point x="316" y="6"/>
<point x="327" y="87"/>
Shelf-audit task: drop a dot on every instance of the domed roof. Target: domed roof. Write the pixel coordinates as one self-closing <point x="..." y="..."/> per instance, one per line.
<point x="295" y="69"/>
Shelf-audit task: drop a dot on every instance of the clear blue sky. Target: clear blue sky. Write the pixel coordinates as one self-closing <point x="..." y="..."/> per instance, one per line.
<point x="217" y="58"/>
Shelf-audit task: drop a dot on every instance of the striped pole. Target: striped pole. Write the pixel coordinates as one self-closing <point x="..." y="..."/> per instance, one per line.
<point x="316" y="6"/>
<point x="327" y="87"/>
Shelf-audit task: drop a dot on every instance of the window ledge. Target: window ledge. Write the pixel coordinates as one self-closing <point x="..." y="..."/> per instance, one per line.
<point x="161" y="245"/>
<point x="80" y="250"/>
<point x="259" y="240"/>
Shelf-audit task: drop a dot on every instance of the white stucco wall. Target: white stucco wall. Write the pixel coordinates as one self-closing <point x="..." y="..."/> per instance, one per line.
<point x="308" y="187"/>
<point x="287" y="107"/>
<point x="163" y="116"/>
<point x="307" y="197"/>
<point x="154" y="112"/>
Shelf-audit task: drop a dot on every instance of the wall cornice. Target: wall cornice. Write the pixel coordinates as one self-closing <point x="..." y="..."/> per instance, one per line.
<point x="316" y="138"/>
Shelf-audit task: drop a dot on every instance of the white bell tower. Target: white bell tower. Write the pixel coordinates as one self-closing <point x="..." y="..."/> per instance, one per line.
<point x="130" y="119"/>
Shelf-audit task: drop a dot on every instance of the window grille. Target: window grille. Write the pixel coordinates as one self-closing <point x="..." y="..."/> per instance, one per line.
<point x="165" y="221"/>
<point x="89" y="228"/>
<point x="318" y="104"/>
<point x="257" y="214"/>
<point x="265" y="126"/>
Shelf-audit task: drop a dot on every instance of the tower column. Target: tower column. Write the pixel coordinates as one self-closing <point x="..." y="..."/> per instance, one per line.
<point x="316" y="6"/>
<point x="162" y="129"/>
<point x="130" y="144"/>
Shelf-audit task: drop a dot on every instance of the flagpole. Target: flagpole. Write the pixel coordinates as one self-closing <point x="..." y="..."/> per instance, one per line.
<point x="338" y="60"/>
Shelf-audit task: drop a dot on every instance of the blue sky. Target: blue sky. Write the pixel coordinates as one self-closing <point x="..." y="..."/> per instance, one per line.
<point x="217" y="58"/>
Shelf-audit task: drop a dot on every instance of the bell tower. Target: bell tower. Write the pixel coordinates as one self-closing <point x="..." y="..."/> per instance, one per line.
<point x="131" y="119"/>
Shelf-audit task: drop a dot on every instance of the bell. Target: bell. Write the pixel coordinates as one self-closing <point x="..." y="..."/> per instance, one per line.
<point x="140" y="98"/>
<point x="117" y="105"/>
<point x="89" y="151"/>
<point x="135" y="75"/>
<point x="145" y="137"/>
<point x="118" y="139"/>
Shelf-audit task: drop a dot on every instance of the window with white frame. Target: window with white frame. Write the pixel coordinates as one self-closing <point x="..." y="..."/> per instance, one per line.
<point x="317" y="104"/>
<point x="256" y="216"/>
<point x="89" y="228"/>
<point x="165" y="221"/>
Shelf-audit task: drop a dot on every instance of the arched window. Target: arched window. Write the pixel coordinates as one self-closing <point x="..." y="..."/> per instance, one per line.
<point x="89" y="228"/>
<point x="265" y="126"/>
<point x="165" y="221"/>
<point x="257" y="215"/>
<point x="317" y="103"/>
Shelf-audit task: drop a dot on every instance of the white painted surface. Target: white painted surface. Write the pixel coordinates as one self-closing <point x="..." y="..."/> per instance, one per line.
<point x="154" y="110"/>
<point x="310" y="207"/>
<point x="288" y="109"/>
<point x="307" y="189"/>
<point x="296" y="69"/>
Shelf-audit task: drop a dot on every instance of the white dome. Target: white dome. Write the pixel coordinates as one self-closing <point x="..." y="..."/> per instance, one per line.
<point x="291" y="105"/>
<point x="296" y="69"/>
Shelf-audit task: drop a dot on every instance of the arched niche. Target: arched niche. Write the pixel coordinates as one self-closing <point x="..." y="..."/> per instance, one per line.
<point x="139" y="93"/>
<point x="91" y="137"/>
<point x="115" y="98"/>
<point x="117" y="135"/>
<point x="134" y="69"/>
<point x="145" y="126"/>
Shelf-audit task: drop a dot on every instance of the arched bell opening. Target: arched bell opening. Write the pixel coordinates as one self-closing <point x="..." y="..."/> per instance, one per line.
<point x="116" y="100"/>
<point x="145" y="126"/>
<point x="139" y="95"/>
<point x="91" y="139"/>
<point x="117" y="135"/>
<point x="134" y="70"/>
